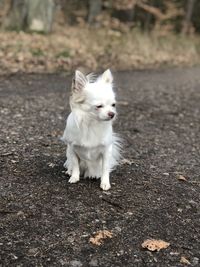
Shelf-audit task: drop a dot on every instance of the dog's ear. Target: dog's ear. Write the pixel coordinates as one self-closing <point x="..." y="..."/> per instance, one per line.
<point x="79" y="82"/>
<point x="107" y="76"/>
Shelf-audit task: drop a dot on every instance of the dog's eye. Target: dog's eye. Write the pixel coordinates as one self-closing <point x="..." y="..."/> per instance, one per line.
<point x="99" y="106"/>
<point x="113" y="105"/>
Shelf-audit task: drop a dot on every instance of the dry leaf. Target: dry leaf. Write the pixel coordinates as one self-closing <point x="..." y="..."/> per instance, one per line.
<point x="126" y="161"/>
<point x="99" y="236"/>
<point x="153" y="244"/>
<point x="37" y="53"/>
<point x="182" y="178"/>
<point x="52" y="165"/>
<point x="184" y="260"/>
<point x="123" y="103"/>
<point x="166" y="173"/>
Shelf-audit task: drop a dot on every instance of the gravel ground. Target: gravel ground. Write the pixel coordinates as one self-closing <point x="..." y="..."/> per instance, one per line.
<point x="45" y="221"/>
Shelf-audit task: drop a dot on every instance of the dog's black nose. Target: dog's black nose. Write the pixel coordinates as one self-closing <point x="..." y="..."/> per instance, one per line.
<point x="111" y="114"/>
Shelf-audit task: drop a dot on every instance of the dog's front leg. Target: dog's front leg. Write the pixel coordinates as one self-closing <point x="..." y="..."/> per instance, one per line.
<point x="75" y="174"/>
<point x="105" y="180"/>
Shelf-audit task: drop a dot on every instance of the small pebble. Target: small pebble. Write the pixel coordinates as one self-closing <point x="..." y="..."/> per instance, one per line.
<point x="93" y="263"/>
<point x="195" y="261"/>
<point x="75" y="263"/>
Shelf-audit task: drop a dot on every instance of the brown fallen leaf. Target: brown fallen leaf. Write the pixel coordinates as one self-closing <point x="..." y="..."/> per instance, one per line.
<point x="126" y="161"/>
<point x="123" y="103"/>
<point x="99" y="236"/>
<point x="153" y="244"/>
<point x="184" y="260"/>
<point x="182" y="178"/>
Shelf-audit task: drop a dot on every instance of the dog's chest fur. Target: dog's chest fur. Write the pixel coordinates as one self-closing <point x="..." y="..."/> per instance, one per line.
<point x="88" y="137"/>
<point x="89" y="154"/>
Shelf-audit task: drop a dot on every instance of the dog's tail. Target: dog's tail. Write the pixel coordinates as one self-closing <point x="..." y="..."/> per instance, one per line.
<point x="116" y="151"/>
<point x="63" y="138"/>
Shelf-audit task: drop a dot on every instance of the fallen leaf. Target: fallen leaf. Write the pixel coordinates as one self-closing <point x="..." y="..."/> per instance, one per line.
<point x="153" y="244"/>
<point x="123" y="103"/>
<point x="166" y="173"/>
<point x="99" y="236"/>
<point x="52" y="165"/>
<point x="33" y="251"/>
<point x="184" y="260"/>
<point x="21" y="214"/>
<point x="14" y="161"/>
<point x="182" y="178"/>
<point x="126" y="161"/>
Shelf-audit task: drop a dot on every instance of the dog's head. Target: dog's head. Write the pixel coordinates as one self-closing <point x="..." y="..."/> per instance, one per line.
<point x="94" y="95"/>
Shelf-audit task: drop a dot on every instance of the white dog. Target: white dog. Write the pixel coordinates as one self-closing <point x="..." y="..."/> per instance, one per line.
<point x="92" y="148"/>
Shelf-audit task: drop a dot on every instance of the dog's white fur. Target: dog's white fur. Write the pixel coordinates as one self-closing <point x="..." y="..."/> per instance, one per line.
<point x="92" y="148"/>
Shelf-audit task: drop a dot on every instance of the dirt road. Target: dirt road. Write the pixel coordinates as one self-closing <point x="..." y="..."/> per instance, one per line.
<point x="45" y="221"/>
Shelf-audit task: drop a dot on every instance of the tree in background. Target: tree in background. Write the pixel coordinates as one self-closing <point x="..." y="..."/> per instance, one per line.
<point x="124" y="10"/>
<point x="187" y="23"/>
<point x="164" y="15"/>
<point x="30" y="15"/>
<point x="160" y="15"/>
<point x="74" y="11"/>
<point x="95" y="8"/>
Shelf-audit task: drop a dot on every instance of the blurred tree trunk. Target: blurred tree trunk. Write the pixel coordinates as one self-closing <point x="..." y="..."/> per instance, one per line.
<point x="148" y="19"/>
<point x="95" y="7"/>
<point x="196" y="17"/>
<point x="188" y="17"/>
<point x="4" y="7"/>
<point x="124" y="15"/>
<point x="124" y="10"/>
<point x="147" y="22"/>
<point x="74" y="10"/>
<point x="69" y="6"/>
<point x="40" y="15"/>
<point x="16" y="18"/>
<point x="30" y="15"/>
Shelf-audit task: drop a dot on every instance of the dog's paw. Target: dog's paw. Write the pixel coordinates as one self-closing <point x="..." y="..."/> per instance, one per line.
<point x="69" y="172"/>
<point x="73" y="180"/>
<point x="105" y="186"/>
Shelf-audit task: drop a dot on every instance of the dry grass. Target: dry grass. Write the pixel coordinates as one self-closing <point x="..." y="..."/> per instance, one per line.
<point x="94" y="49"/>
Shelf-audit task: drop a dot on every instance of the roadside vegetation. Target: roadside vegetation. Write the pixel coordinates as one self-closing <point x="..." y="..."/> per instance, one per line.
<point x="94" y="35"/>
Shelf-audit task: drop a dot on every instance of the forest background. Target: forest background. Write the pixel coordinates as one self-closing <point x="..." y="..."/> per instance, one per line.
<point x="61" y="35"/>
